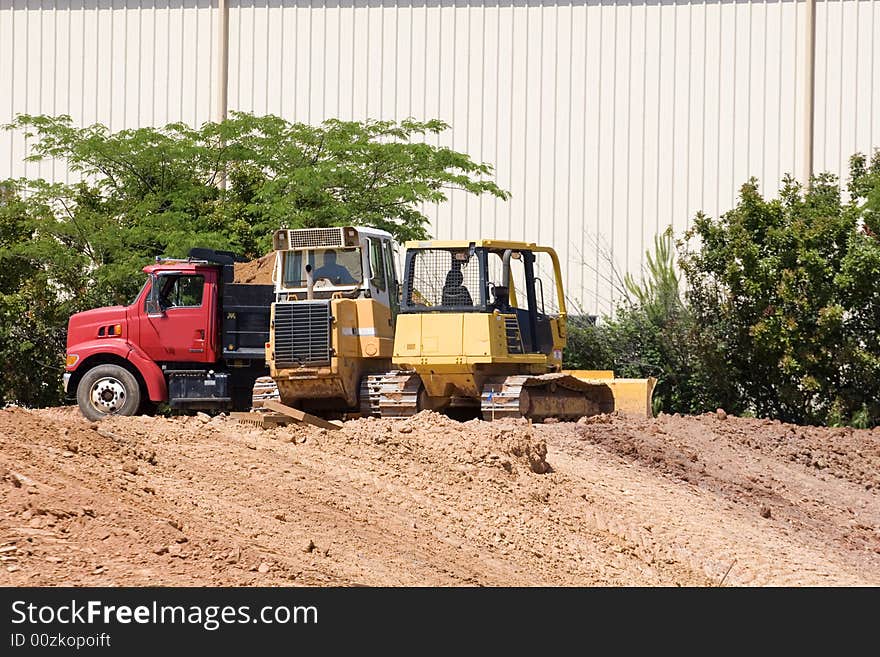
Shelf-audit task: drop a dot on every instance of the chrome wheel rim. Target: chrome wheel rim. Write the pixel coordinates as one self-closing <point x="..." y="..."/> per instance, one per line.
<point x="108" y="395"/>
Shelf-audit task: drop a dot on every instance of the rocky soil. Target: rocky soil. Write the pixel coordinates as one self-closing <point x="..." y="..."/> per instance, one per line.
<point x="611" y="500"/>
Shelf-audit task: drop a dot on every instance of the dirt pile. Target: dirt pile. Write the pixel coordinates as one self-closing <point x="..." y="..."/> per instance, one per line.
<point x="803" y="499"/>
<point x="512" y="446"/>
<point x="430" y="501"/>
<point x="255" y="272"/>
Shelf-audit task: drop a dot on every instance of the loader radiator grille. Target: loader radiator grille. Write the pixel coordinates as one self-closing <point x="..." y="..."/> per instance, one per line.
<point x="302" y="334"/>
<point x="315" y="238"/>
<point x="514" y="337"/>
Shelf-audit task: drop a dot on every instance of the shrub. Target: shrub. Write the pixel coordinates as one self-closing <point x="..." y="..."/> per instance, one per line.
<point x="789" y="286"/>
<point x="781" y="313"/>
<point x="653" y="333"/>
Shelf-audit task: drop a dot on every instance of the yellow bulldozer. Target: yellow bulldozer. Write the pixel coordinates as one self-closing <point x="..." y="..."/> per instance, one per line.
<point x="467" y="331"/>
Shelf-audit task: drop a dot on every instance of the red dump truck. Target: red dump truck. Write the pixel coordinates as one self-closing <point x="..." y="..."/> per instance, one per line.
<point x="192" y="338"/>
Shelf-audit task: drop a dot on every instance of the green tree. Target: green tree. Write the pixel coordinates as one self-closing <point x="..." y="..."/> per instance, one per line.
<point x="788" y="287"/>
<point x="31" y="318"/>
<point x="278" y="174"/>
<point x="156" y="191"/>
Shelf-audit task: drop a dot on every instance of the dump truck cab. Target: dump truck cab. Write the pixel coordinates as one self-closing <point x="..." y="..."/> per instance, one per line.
<point x="333" y="318"/>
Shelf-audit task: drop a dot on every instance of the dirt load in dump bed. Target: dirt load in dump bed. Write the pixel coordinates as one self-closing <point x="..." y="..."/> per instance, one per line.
<point x="428" y="501"/>
<point x="256" y="272"/>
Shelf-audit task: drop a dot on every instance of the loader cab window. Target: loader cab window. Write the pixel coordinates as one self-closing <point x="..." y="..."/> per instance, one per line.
<point x="333" y="270"/>
<point x="339" y="267"/>
<point x="391" y="276"/>
<point x="377" y="264"/>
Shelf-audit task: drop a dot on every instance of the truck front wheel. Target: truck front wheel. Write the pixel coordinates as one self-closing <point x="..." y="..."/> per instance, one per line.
<point x="108" y="390"/>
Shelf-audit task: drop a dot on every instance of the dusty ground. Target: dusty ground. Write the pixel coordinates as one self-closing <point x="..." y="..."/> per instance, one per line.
<point x="669" y="501"/>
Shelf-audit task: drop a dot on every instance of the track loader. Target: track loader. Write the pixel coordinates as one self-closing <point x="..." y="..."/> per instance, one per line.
<point x="332" y="323"/>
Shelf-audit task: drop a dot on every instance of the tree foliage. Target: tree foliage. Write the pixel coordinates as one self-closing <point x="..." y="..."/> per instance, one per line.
<point x="31" y="321"/>
<point x="156" y="191"/>
<point x="789" y="286"/>
<point x="781" y="314"/>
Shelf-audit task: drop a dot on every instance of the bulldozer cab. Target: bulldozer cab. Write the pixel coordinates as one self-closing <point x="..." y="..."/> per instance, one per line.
<point x="491" y="277"/>
<point x="324" y="263"/>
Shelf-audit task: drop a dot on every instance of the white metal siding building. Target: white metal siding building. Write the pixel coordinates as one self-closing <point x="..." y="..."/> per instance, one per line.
<point x="608" y="120"/>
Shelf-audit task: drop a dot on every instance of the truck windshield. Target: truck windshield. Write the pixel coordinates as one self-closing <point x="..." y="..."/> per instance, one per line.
<point x="138" y="295"/>
<point x="330" y="267"/>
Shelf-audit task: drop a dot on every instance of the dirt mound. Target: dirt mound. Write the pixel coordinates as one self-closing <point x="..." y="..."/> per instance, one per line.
<point x="430" y="501"/>
<point x="814" y="483"/>
<point x="850" y="455"/>
<point x="512" y="448"/>
<point x="256" y="272"/>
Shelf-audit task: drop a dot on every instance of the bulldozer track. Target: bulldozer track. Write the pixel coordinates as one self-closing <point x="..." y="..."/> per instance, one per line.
<point x="265" y="388"/>
<point x="391" y="394"/>
<point x="399" y="393"/>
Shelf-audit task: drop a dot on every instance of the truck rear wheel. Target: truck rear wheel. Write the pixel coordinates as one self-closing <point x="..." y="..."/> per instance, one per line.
<point x="108" y="390"/>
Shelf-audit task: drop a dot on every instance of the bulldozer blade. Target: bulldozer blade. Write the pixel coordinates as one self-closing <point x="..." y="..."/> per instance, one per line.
<point x="631" y="396"/>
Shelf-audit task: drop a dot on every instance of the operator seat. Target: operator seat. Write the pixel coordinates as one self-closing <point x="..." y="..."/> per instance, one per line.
<point x="454" y="293"/>
<point x="501" y="298"/>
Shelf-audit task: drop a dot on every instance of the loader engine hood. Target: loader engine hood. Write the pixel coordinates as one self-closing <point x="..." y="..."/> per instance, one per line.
<point x="100" y="323"/>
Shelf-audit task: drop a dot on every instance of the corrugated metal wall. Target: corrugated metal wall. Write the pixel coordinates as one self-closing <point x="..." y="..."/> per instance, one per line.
<point x="608" y="120"/>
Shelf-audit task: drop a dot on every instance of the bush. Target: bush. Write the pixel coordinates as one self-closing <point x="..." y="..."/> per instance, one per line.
<point x="789" y="286"/>
<point x="653" y="333"/>
<point x="781" y="317"/>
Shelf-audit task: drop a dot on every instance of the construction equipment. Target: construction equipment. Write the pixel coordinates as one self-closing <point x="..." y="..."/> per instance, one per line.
<point x="468" y="332"/>
<point x="332" y="324"/>
<point x="192" y="338"/>
<point x="472" y="335"/>
<point x="475" y="332"/>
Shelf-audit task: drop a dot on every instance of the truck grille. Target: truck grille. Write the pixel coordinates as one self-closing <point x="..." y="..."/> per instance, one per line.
<point x="302" y="334"/>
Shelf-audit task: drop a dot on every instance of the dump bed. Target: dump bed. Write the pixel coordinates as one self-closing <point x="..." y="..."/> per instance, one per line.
<point x="244" y="314"/>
